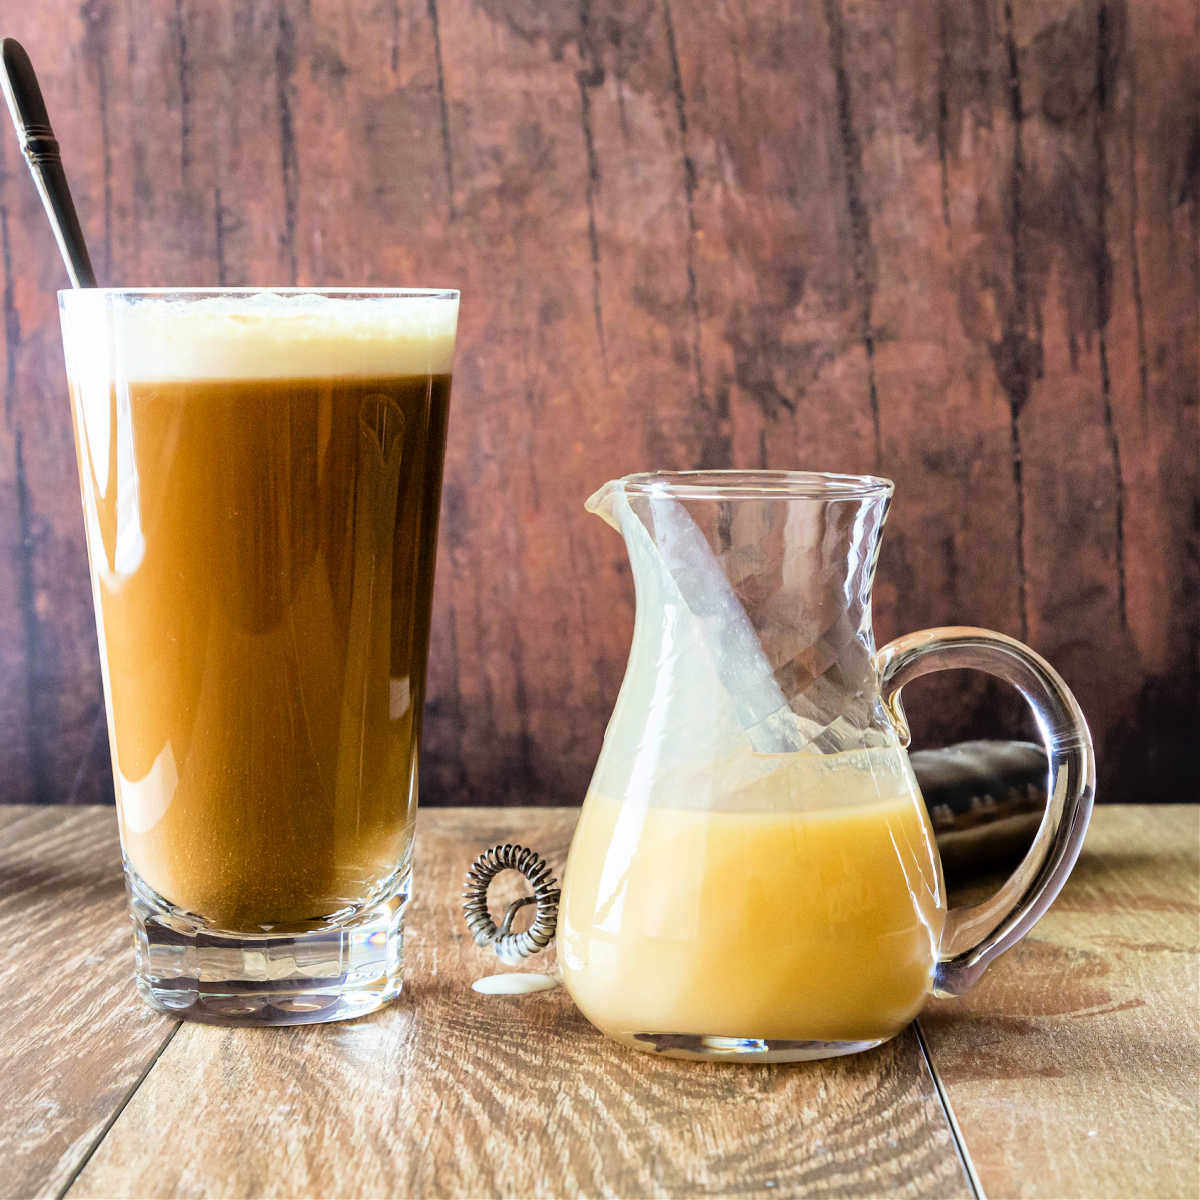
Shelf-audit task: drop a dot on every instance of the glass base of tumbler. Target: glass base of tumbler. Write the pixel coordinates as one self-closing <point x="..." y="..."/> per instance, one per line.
<point x="191" y="970"/>
<point x="732" y="1049"/>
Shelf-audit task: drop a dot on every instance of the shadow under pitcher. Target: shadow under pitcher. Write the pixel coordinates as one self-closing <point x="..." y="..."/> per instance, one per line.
<point x="261" y="473"/>
<point x="753" y="876"/>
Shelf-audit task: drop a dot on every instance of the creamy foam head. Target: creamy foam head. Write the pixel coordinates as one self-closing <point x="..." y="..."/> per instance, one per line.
<point x="149" y="338"/>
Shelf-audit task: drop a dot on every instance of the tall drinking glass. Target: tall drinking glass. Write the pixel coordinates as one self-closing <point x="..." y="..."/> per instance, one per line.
<point x="261" y="473"/>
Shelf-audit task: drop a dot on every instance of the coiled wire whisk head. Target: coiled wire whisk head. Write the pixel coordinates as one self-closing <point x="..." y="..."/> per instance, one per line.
<point x="511" y="947"/>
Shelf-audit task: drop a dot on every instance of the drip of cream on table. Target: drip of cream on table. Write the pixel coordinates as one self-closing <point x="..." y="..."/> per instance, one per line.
<point x="514" y="983"/>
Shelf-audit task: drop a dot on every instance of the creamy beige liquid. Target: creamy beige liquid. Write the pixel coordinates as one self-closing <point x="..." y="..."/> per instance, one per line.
<point x="813" y="923"/>
<point x="262" y="551"/>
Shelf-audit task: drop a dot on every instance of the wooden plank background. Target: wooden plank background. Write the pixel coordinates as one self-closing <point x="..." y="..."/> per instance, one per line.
<point x="957" y="243"/>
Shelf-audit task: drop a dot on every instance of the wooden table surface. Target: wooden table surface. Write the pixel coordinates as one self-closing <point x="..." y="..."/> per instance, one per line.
<point x="1070" y="1071"/>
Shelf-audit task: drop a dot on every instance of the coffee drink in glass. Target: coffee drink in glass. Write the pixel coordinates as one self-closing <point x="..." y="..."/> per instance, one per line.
<point x="260" y="473"/>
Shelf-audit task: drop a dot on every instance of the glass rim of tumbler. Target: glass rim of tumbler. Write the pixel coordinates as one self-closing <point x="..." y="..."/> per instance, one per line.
<point x="756" y="484"/>
<point x="201" y="293"/>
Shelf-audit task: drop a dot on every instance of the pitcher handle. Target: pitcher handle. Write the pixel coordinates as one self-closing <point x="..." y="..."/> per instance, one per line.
<point x="974" y="936"/>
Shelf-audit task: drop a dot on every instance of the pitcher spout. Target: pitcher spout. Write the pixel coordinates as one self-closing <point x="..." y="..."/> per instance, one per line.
<point x="602" y="502"/>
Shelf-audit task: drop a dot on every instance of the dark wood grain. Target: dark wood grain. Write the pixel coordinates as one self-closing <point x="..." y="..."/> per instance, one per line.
<point x="956" y="243"/>
<point x="74" y="1037"/>
<point x="450" y="1093"/>
<point x="1071" y="1069"/>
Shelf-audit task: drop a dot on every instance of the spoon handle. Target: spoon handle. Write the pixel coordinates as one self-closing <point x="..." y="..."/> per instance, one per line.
<point x="40" y="148"/>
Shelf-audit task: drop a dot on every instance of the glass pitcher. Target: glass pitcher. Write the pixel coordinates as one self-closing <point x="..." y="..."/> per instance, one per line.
<point x="753" y="875"/>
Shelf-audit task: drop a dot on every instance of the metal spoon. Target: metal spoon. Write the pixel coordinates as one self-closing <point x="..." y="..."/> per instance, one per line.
<point x="40" y="147"/>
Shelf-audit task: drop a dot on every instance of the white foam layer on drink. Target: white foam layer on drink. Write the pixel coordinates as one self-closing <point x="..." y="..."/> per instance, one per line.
<point x="258" y="335"/>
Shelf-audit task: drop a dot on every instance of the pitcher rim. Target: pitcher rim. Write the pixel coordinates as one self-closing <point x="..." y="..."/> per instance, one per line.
<point x="756" y="484"/>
